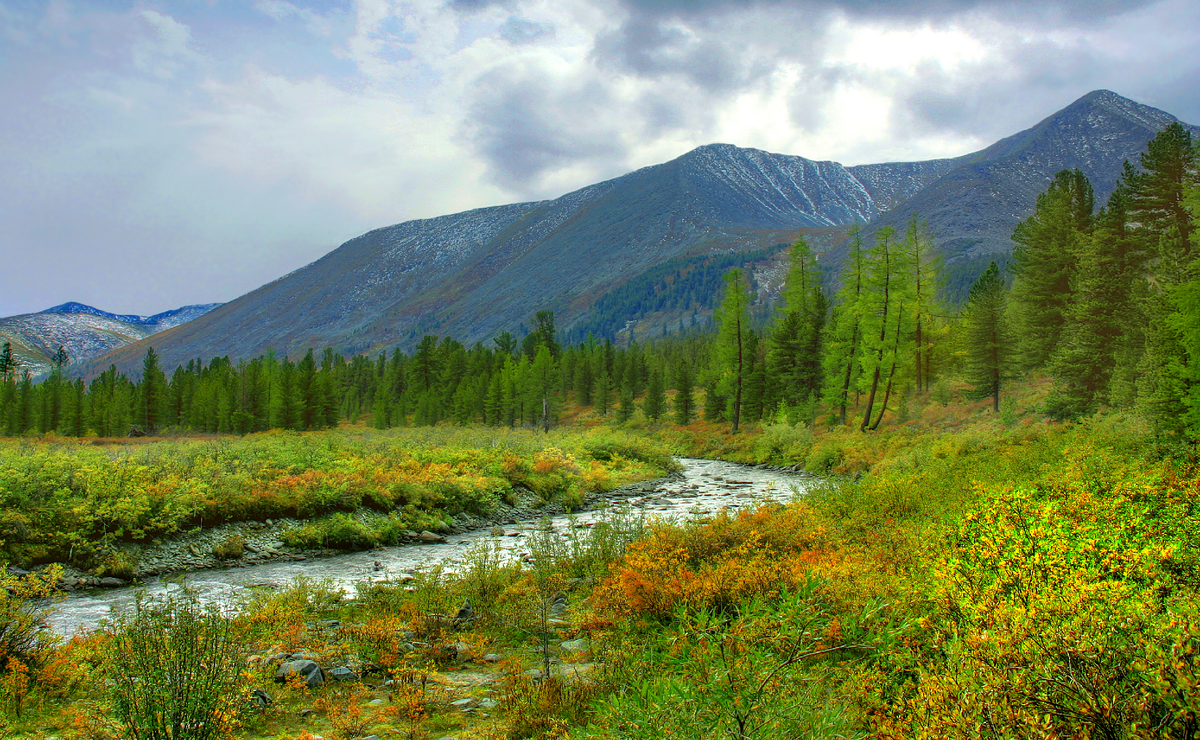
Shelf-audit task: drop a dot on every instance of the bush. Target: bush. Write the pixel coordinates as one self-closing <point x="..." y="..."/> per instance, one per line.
<point x="25" y="640"/>
<point x="173" y="666"/>
<point x="231" y="548"/>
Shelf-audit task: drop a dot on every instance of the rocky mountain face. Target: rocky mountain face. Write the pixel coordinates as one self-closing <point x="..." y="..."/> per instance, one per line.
<point x="472" y="275"/>
<point x="973" y="209"/>
<point x="83" y="332"/>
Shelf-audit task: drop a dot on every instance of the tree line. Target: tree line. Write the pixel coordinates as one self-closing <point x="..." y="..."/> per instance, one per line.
<point x="1107" y="303"/>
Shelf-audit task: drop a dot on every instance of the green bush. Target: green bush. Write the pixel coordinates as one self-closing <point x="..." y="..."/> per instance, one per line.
<point x="173" y="667"/>
<point x="231" y="548"/>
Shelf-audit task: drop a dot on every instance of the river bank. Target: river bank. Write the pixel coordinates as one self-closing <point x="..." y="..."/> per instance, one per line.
<point x="700" y="489"/>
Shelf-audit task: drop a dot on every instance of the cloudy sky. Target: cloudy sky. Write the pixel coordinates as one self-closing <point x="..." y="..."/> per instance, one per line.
<point x="155" y="154"/>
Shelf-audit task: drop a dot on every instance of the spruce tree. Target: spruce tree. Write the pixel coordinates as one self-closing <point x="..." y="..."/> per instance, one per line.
<point x="684" y="403"/>
<point x="656" y="397"/>
<point x="986" y="339"/>
<point x="1045" y="256"/>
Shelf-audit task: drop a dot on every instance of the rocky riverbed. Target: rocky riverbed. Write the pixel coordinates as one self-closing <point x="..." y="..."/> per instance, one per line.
<point x="701" y="489"/>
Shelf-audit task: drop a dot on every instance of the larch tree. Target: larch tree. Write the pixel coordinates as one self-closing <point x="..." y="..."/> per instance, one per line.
<point x="844" y="345"/>
<point x="733" y="327"/>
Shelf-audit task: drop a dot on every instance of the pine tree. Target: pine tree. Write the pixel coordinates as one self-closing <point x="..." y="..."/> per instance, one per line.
<point x="797" y="343"/>
<point x="684" y="403"/>
<point x="986" y="339"/>
<point x="152" y="397"/>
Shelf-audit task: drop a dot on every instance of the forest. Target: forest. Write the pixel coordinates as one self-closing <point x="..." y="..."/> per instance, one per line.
<point x="999" y="537"/>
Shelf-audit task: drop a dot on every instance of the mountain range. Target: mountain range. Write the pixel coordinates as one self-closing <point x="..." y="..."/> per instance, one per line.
<point x="83" y="332"/>
<point x="475" y="274"/>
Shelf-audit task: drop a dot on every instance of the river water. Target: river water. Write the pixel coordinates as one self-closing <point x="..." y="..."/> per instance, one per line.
<point x="703" y="488"/>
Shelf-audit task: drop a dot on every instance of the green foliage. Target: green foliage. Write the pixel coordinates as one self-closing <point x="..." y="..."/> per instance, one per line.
<point x="732" y="316"/>
<point x="173" y="666"/>
<point x="986" y="339"/>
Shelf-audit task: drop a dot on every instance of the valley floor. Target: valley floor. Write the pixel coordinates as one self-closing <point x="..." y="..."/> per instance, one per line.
<point x="962" y="574"/>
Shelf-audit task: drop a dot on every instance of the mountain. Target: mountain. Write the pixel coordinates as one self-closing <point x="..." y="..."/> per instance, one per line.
<point x="472" y="275"/>
<point x="84" y="332"/>
<point x="972" y="210"/>
<point x="156" y="323"/>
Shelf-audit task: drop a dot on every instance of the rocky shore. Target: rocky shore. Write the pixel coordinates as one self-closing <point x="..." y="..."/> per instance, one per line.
<point x="262" y="541"/>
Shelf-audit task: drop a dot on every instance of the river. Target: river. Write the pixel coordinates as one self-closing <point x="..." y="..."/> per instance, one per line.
<point x="703" y="488"/>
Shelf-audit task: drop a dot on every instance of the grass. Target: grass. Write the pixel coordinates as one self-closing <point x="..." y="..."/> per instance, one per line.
<point x="61" y="497"/>
<point x="962" y="574"/>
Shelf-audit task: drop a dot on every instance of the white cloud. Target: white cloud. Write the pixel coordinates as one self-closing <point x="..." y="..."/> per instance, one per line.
<point x="266" y="155"/>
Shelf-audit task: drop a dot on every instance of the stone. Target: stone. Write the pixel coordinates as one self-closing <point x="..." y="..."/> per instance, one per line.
<point x="261" y="699"/>
<point x="491" y="658"/>
<point x="498" y="531"/>
<point x="488" y="704"/>
<point x="110" y="582"/>
<point x="576" y="646"/>
<point x="306" y="669"/>
<point x="466" y="613"/>
<point x="464" y="704"/>
<point x="376" y="702"/>
<point x="343" y="673"/>
<point x="430" y="538"/>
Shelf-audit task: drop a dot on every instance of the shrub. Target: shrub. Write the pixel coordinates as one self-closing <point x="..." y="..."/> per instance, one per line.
<point x="231" y="548"/>
<point x="173" y="665"/>
<point x="25" y="640"/>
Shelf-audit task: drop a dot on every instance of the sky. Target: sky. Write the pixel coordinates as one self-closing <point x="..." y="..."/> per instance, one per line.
<point x="159" y="154"/>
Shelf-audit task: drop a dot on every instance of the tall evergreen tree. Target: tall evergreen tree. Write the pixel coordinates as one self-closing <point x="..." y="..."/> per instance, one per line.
<point x="656" y="397"/>
<point x="987" y="342"/>
<point x="1045" y="256"/>
<point x="684" y="403"/>
<point x="843" y="350"/>
<point x="733" y="326"/>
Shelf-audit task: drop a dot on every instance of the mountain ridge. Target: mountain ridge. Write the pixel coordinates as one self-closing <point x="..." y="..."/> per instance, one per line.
<point x="474" y="274"/>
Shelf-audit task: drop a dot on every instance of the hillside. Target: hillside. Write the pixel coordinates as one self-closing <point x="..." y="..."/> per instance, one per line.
<point x="473" y="275"/>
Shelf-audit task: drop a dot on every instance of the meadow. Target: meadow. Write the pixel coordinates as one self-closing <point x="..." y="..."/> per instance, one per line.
<point x="960" y="574"/>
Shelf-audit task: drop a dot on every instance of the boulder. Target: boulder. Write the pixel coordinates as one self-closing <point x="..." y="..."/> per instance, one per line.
<point x="430" y="538"/>
<point x="343" y="673"/>
<point x="306" y="669"/>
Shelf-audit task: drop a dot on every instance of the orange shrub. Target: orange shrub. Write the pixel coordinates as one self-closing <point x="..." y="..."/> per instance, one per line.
<point x="716" y="564"/>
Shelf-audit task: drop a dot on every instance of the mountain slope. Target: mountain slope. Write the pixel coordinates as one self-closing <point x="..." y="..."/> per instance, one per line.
<point x="973" y="209"/>
<point x="83" y="332"/>
<point x="472" y="275"/>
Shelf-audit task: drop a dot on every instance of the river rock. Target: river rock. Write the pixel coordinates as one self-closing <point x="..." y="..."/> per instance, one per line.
<point x="261" y="699"/>
<point x="306" y="669"/>
<point x="430" y="538"/>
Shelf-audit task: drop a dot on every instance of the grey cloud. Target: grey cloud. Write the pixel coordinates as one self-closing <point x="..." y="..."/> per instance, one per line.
<point x="911" y="9"/>
<point x="518" y="30"/>
<point x="526" y="128"/>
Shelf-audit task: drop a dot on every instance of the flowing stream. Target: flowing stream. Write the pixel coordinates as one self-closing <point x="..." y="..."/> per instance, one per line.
<point x="705" y="487"/>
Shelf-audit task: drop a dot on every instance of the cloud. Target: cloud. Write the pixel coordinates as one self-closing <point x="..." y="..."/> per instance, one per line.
<point x="197" y="150"/>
